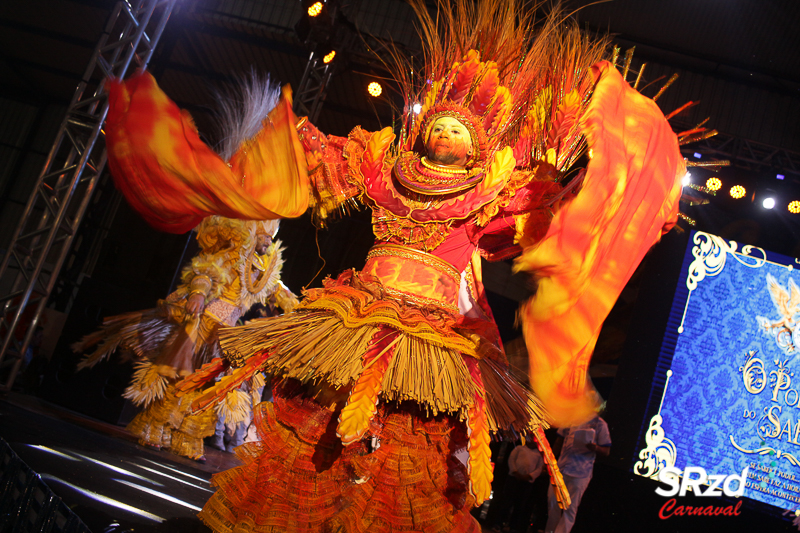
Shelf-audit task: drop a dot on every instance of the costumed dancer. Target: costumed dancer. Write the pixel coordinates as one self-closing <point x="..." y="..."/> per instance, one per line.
<point x="238" y="265"/>
<point x="580" y="445"/>
<point x="384" y="373"/>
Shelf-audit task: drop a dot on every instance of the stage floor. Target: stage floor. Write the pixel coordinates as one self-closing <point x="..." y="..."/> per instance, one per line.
<point x="103" y="475"/>
<point x="116" y="486"/>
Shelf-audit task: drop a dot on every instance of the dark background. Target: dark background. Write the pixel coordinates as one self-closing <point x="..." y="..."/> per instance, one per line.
<point x="739" y="58"/>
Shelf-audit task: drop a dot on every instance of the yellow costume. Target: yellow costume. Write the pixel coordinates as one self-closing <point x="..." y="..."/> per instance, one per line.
<point x="171" y="342"/>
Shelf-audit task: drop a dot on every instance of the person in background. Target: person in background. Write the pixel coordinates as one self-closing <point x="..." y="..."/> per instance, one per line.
<point x="490" y="511"/>
<point x="238" y="264"/>
<point x="524" y="467"/>
<point x="580" y="445"/>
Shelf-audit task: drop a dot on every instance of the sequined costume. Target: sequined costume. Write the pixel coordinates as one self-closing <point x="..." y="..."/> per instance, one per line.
<point x="384" y="374"/>
<point x="170" y="343"/>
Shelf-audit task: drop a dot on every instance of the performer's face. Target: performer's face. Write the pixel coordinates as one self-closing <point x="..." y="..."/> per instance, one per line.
<point x="449" y="142"/>
<point x="262" y="243"/>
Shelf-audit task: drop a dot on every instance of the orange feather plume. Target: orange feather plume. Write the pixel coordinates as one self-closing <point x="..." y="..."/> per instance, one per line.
<point x="218" y="392"/>
<point x="362" y="403"/>
<point x="465" y="75"/>
<point x="480" y="456"/>
<point x="485" y="91"/>
<point x="498" y="111"/>
<point x="205" y="374"/>
<point x="565" y="124"/>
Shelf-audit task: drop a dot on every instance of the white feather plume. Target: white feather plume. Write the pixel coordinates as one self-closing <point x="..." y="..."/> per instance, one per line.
<point x="242" y="109"/>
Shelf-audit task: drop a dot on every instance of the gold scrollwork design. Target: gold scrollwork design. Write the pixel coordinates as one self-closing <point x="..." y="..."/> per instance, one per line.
<point x="658" y="454"/>
<point x="764" y="450"/>
<point x="753" y="374"/>
<point x="747" y="250"/>
<point x="710" y="253"/>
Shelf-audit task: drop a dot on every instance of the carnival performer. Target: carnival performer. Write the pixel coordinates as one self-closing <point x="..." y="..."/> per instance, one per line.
<point x="580" y="445"/>
<point x="384" y="373"/>
<point x="238" y="265"/>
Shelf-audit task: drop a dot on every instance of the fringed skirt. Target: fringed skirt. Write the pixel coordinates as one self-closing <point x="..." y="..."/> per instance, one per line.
<point x="401" y="382"/>
<point x="353" y="331"/>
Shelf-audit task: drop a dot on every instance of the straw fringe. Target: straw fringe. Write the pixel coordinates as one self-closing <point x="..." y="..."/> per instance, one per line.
<point x="313" y="346"/>
<point x="139" y="333"/>
<point x="149" y="383"/>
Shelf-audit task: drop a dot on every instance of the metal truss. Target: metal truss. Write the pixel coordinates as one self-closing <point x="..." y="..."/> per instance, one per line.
<point x="749" y="155"/>
<point x="60" y="196"/>
<point x="313" y="88"/>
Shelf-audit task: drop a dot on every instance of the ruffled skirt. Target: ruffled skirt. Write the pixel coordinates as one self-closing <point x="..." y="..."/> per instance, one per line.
<point x="300" y="478"/>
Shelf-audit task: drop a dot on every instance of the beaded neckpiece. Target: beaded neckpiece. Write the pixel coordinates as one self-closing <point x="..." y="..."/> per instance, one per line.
<point x="421" y="176"/>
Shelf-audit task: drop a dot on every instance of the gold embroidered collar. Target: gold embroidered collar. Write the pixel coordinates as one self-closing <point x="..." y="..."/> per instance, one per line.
<point x="425" y="178"/>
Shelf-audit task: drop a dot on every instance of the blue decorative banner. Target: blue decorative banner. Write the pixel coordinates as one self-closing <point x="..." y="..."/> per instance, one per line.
<point x="732" y="393"/>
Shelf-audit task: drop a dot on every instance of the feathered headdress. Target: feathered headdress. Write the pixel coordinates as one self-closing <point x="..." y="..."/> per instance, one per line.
<point x="508" y="85"/>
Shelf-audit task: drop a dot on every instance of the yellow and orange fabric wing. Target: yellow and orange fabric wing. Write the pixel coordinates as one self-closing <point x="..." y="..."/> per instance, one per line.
<point x="628" y="200"/>
<point x="173" y="179"/>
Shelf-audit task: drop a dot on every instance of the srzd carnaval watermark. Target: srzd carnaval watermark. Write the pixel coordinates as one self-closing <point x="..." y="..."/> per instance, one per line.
<point x="718" y="485"/>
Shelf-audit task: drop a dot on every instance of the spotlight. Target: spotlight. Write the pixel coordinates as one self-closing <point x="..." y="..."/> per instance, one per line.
<point x="768" y="202"/>
<point x="375" y="89"/>
<point x="329" y="57"/>
<point x="780" y="176"/>
<point x="713" y="184"/>
<point x="698" y="155"/>
<point x="794" y="207"/>
<point x="686" y="180"/>
<point x="737" y="191"/>
<point x="315" y="9"/>
<point x="417" y="108"/>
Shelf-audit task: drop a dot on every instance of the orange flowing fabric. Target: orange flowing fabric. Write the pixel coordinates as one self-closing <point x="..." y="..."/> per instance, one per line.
<point x="628" y="200"/>
<point x="173" y="180"/>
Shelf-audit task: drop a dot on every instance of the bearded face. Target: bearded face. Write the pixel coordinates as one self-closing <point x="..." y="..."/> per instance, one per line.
<point x="262" y="243"/>
<point x="449" y="142"/>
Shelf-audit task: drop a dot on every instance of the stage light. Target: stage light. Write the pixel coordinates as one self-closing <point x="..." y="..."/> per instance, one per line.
<point x="768" y="202"/>
<point x="375" y="89"/>
<point x="179" y="480"/>
<point x="167" y="497"/>
<point x="686" y="180"/>
<point x="713" y="184"/>
<point x="104" y="499"/>
<point x="780" y="176"/>
<point x="698" y="155"/>
<point x="54" y="452"/>
<point x="315" y="9"/>
<point x="794" y="207"/>
<point x="116" y="469"/>
<point x="417" y="108"/>
<point x="177" y="471"/>
<point x="737" y="191"/>
<point x="329" y="57"/>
